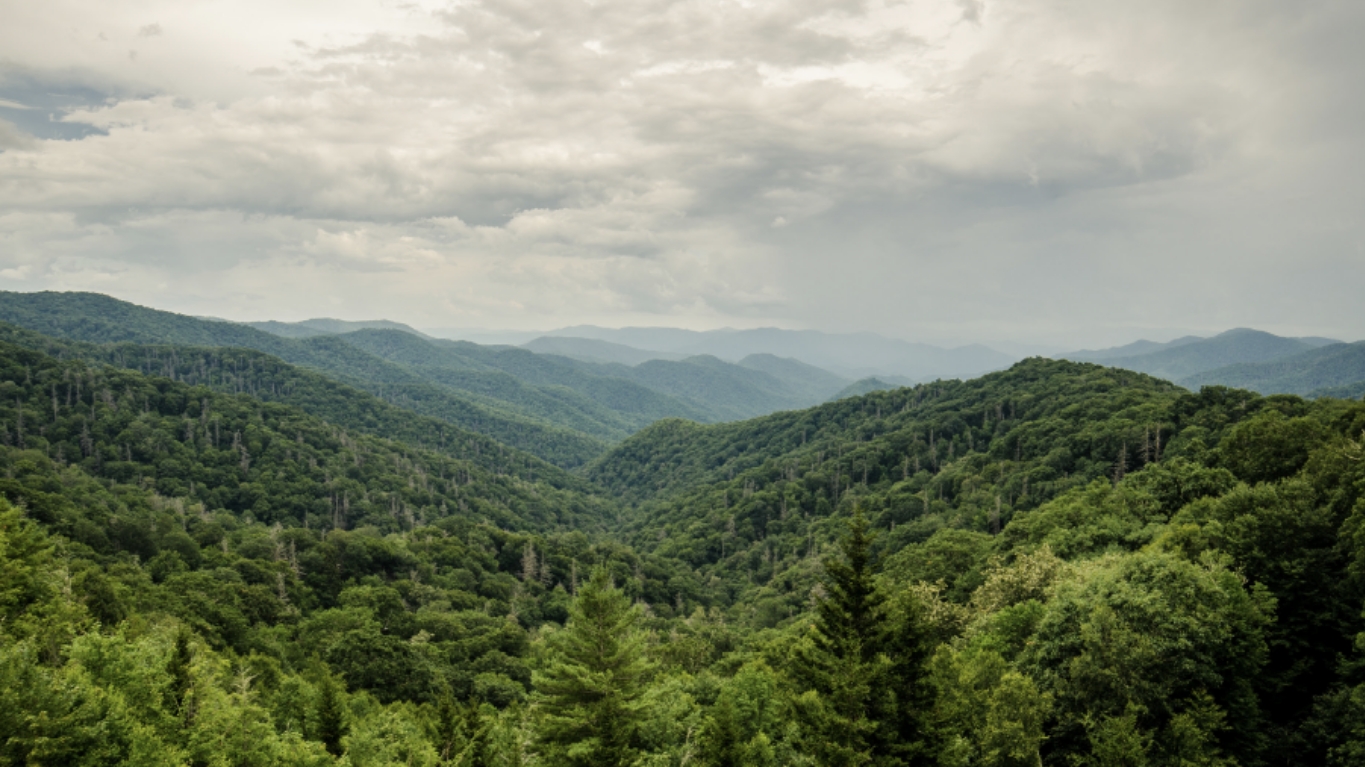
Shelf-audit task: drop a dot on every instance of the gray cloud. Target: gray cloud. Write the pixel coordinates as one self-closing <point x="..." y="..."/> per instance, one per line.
<point x="977" y="170"/>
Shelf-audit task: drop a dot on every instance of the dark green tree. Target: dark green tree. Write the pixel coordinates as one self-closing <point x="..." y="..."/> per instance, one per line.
<point x="179" y="683"/>
<point x="459" y="732"/>
<point x="331" y="716"/>
<point x="590" y="688"/>
<point x="865" y="664"/>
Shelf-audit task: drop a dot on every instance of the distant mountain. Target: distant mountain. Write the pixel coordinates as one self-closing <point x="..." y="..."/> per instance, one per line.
<point x="1316" y="372"/>
<point x="1184" y="357"/>
<point x="593" y="402"/>
<point x="287" y="329"/>
<point x="1134" y="349"/>
<point x="852" y="355"/>
<point x="327" y="326"/>
<point x="595" y="350"/>
<point x="869" y="385"/>
<point x="730" y="391"/>
<point x="809" y="381"/>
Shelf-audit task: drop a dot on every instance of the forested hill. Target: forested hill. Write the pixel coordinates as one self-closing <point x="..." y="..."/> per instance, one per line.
<point x="1042" y="419"/>
<point x="750" y="503"/>
<point x="561" y="426"/>
<point x="268" y="379"/>
<point x="559" y="409"/>
<point x="267" y="461"/>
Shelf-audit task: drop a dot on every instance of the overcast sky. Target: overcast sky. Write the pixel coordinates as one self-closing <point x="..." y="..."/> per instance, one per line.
<point x="1073" y="172"/>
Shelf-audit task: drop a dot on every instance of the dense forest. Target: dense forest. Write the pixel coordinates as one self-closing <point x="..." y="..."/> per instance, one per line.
<point x="212" y="556"/>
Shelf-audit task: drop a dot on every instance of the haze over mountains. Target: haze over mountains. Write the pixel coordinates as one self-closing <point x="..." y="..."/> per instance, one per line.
<point x="1246" y="358"/>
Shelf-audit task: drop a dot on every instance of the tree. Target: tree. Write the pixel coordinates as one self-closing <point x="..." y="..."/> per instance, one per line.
<point x="590" y="687"/>
<point x="864" y="666"/>
<point x="331" y="716"/>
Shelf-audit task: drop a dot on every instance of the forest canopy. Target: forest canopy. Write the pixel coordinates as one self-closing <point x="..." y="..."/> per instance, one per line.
<point x="1058" y="564"/>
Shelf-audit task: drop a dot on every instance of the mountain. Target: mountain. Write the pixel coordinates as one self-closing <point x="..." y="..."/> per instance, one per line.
<point x="540" y="422"/>
<point x="1346" y="391"/>
<point x="602" y="405"/>
<point x="287" y="329"/>
<point x="1185" y="357"/>
<point x="894" y="435"/>
<point x="594" y="350"/>
<point x="1325" y="368"/>
<point x="852" y="355"/>
<point x="809" y="382"/>
<point x="1134" y="349"/>
<point x="327" y="326"/>
<point x="562" y="410"/>
<point x="869" y="385"/>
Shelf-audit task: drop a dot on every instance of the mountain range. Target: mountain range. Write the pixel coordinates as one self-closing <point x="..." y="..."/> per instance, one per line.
<point x="363" y="545"/>
<point x="1248" y="359"/>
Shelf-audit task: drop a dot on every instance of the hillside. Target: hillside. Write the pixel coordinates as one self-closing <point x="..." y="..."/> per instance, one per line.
<point x="896" y="435"/>
<point x="242" y="371"/>
<point x="560" y="426"/>
<point x="807" y="381"/>
<point x="867" y="386"/>
<point x="1184" y="358"/>
<point x="1134" y="349"/>
<point x="1326" y="367"/>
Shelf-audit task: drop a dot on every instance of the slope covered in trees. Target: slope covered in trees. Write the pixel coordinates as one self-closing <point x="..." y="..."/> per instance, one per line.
<point x="1057" y="564"/>
<point x="559" y="425"/>
<point x="560" y="409"/>
<point x="402" y="407"/>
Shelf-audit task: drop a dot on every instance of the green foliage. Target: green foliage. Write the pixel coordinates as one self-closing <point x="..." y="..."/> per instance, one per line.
<point x="228" y="560"/>
<point x="592" y="681"/>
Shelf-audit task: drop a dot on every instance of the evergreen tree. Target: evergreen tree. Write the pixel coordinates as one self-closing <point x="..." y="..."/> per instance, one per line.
<point x="589" y="691"/>
<point x="331" y="716"/>
<point x="459" y="732"/>
<point x="179" y="690"/>
<point x="864" y="666"/>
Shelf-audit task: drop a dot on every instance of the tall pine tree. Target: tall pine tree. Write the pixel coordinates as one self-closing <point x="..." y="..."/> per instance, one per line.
<point x="864" y="667"/>
<point x="590" y="689"/>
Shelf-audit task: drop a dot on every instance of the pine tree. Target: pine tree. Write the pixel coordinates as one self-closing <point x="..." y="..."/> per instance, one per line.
<point x="865" y="665"/>
<point x="179" y="697"/>
<point x="331" y="716"/>
<point x="459" y="732"/>
<point x="590" y="689"/>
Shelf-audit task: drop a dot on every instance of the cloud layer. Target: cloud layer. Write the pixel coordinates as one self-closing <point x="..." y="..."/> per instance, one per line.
<point x="1042" y="169"/>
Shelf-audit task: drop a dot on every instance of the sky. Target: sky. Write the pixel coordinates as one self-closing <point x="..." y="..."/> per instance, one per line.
<point x="1035" y="171"/>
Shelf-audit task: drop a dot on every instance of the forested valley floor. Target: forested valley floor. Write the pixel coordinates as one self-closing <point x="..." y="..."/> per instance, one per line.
<point x="209" y="556"/>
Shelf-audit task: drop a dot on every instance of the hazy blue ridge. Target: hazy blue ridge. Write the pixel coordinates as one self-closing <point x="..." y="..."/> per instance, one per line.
<point x="1305" y="373"/>
<point x="1241" y="345"/>
<point x="605" y="405"/>
<point x="807" y="380"/>
<point x="595" y="350"/>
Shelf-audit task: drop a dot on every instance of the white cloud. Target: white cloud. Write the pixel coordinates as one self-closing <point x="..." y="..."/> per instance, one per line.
<point x="977" y="169"/>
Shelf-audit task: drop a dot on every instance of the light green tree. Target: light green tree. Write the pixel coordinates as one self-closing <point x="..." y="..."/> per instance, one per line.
<point x="590" y="688"/>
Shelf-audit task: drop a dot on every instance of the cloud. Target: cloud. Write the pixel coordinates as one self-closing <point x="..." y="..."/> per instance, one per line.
<point x="969" y="170"/>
